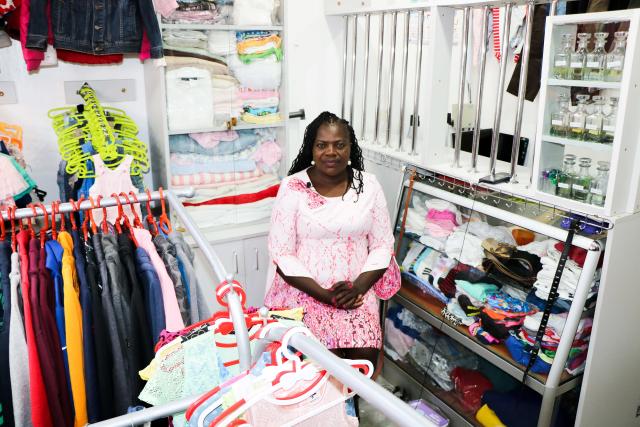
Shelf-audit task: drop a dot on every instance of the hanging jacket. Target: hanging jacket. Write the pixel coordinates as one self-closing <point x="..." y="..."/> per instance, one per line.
<point x="6" y="406"/>
<point x="97" y="27"/>
<point x="152" y="293"/>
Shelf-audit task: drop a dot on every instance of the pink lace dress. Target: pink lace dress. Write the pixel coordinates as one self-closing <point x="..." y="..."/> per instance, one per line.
<point x="331" y="239"/>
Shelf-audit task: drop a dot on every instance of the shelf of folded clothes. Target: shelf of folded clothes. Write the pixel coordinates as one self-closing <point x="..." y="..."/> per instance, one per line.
<point x="427" y="307"/>
<point x="218" y="77"/>
<point x="221" y="27"/>
<point x="240" y="13"/>
<point x="236" y="175"/>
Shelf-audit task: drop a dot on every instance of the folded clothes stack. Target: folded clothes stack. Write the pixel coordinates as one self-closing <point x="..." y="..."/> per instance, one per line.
<point x="221" y="43"/>
<point x="195" y="12"/>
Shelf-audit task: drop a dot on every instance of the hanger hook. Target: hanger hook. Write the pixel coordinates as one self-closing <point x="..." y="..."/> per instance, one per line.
<point x="150" y="219"/>
<point x="103" y="225"/>
<point x="163" y="222"/>
<point x="137" y="221"/>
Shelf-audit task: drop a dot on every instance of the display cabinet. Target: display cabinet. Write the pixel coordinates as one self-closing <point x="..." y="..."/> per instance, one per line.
<point x="586" y="142"/>
<point x="454" y="241"/>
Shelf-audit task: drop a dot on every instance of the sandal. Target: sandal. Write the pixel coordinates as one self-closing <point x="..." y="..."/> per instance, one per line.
<point x="498" y="249"/>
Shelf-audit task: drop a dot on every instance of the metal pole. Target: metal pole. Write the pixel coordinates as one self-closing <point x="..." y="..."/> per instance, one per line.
<point x="403" y="76"/>
<point x="522" y="89"/>
<point x="379" y="88"/>
<point x="493" y="178"/>
<point x="353" y="67"/>
<point x="344" y="65"/>
<point x="416" y="96"/>
<point x="392" y="78"/>
<point x="363" y="124"/>
<point x="397" y="411"/>
<point x="464" y="48"/>
<point x="568" y="334"/>
<point x="554" y="8"/>
<point x="483" y="63"/>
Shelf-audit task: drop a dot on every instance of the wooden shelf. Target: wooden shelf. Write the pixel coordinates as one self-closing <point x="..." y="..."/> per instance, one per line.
<point x="584" y="83"/>
<point x="595" y="146"/>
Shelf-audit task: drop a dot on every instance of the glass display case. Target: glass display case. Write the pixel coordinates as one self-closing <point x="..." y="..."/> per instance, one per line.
<point x="477" y="270"/>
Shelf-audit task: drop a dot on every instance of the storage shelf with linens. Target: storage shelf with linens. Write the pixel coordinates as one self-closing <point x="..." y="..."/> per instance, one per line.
<point x="219" y="116"/>
<point x="477" y="268"/>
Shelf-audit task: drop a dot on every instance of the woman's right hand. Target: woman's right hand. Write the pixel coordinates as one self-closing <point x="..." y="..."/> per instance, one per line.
<point x="329" y="297"/>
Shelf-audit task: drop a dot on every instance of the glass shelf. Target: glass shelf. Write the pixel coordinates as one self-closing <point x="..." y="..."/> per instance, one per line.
<point x="579" y="144"/>
<point x="584" y="83"/>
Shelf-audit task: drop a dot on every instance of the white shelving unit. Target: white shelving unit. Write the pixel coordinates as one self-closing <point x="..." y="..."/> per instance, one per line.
<point x="623" y="154"/>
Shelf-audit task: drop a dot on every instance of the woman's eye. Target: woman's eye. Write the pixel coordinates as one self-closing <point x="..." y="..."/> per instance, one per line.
<point x="341" y="146"/>
<point x="321" y="146"/>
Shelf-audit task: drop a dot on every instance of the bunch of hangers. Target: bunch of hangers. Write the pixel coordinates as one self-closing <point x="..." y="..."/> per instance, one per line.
<point x="122" y="223"/>
<point x="108" y="131"/>
<point x="11" y="135"/>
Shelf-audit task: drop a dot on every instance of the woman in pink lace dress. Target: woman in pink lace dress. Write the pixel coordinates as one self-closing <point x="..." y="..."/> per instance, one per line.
<point x="331" y="242"/>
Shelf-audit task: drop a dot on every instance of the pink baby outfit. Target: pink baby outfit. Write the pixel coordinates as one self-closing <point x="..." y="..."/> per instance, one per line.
<point x="109" y="181"/>
<point x="331" y="239"/>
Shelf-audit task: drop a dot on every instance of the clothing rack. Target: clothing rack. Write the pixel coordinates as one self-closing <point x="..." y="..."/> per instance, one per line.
<point x="391" y="406"/>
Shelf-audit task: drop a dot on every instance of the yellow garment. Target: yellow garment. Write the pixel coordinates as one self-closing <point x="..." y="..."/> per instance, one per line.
<point x="267" y="119"/>
<point x="73" y="329"/>
<point x="261" y="44"/>
<point x="488" y="418"/>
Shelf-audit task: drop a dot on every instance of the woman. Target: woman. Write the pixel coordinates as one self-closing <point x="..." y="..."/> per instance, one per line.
<point x="331" y="243"/>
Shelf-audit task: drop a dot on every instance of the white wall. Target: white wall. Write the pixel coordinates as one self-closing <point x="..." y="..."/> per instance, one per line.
<point x="43" y="90"/>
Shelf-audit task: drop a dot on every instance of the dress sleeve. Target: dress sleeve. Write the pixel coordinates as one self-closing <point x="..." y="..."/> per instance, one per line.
<point x="380" y="239"/>
<point x="282" y="234"/>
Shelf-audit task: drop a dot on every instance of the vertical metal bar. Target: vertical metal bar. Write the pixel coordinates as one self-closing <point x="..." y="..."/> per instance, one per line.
<point x="554" y="8"/>
<point x="353" y="67"/>
<point x="522" y="89"/>
<point x="464" y="48"/>
<point x="392" y="77"/>
<point x="379" y="88"/>
<point x="500" y="94"/>
<point x="344" y="65"/>
<point x="416" y="96"/>
<point x="363" y="124"/>
<point x="568" y="334"/>
<point x="403" y="76"/>
<point x="483" y="62"/>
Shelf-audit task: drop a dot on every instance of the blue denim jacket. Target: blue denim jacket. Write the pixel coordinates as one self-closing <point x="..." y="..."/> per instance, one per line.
<point x="97" y="27"/>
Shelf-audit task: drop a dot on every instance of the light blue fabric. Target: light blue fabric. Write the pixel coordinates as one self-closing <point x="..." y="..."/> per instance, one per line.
<point x="246" y="165"/>
<point x="261" y="111"/>
<point x="184" y="144"/>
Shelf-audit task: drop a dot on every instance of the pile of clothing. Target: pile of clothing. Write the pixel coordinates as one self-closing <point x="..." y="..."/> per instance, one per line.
<point x="194" y="12"/>
<point x="424" y="266"/>
<point x="235" y="172"/>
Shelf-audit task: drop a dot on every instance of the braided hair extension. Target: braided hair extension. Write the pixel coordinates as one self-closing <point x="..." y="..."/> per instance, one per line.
<point x="305" y="155"/>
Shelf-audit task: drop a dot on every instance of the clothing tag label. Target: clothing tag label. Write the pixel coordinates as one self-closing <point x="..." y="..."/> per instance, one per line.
<point x="608" y="128"/>
<point x="560" y="63"/>
<point x="576" y="65"/>
<point x="614" y="64"/>
<point x="593" y="64"/>
<point x="596" y="191"/>
<point x="575" y="124"/>
<point x="556" y="122"/>
<point x="563" y="185"/>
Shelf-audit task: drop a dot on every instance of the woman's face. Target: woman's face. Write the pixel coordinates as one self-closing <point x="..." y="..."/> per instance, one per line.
<point x="331" y="149"/>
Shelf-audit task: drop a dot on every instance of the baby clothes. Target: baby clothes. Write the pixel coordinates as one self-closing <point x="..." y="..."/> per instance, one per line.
<point x="479" y="291"/>
<point x="465" y="247"/>
<point x="253" y="12"/>
<point x="109" y="181"/>
<point x="189" y="98"/>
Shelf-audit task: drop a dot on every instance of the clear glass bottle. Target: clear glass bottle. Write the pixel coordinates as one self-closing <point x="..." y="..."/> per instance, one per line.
<point x="548" y="180"/>
<point x="593" y="124"/>
<point x="578" y="118"/>
<point x="598" y="191"/>
<point x="578" y="59"/>
<point x="560" y="118"/>
<point x="582" y="184"/>
<point x="609" y="121"/>
<point x="596" y="59"/>
<point x="615" y="58"/>
<point x="566" y="177"/>
<point x="562" y="57"/>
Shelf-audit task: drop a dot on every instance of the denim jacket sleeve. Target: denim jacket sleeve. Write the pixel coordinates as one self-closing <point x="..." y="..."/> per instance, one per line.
<point x="151" y="27"/>
<point x="38" y="32"/>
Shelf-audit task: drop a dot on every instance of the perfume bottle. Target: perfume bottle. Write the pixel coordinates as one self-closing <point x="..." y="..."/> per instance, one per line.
<point x="562" y="56"/>
<point x="582" y="183"/>
<point x="598" y="192"/>
<point x="593" y="124"/>
<point x="609" y="121"/>
<point x="578" y="59"/>
<point x="615" y="58"/>
<point x="566" y="177"/>
<point x="578" y="118"/>
<point x="560" y="118"/>
<point x="548" y="180"/>
<point x="596" y="59"/>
